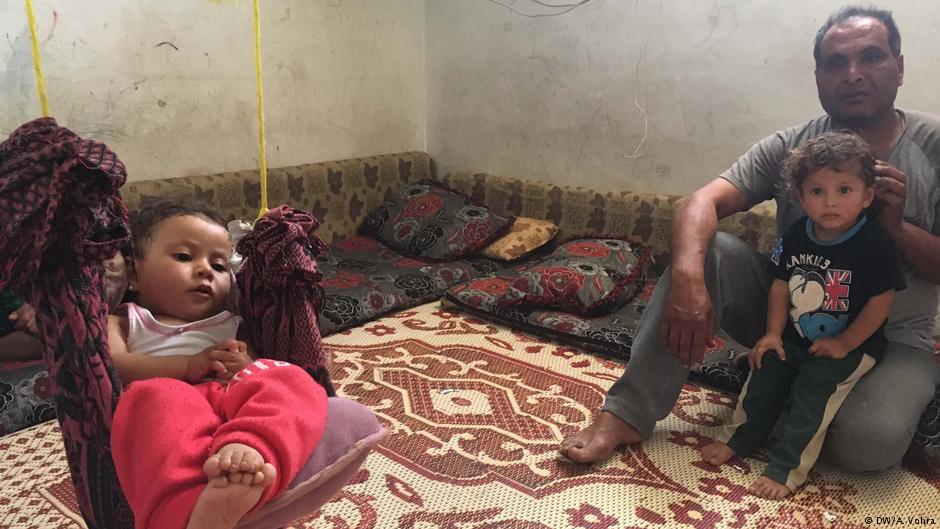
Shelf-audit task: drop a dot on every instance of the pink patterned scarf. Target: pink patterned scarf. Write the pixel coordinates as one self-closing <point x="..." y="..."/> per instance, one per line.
<point x="280" y="292"/>
<point x="61" y="217"/>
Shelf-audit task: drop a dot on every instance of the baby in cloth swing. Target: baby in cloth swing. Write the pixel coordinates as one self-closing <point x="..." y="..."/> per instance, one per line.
<point x="204" y="433"/>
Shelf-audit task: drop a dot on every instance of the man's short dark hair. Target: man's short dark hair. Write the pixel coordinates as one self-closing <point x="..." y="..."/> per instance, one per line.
<point x="882" y="15"/>
<point x="144" y="221"/>
<point x="837" y="150"/>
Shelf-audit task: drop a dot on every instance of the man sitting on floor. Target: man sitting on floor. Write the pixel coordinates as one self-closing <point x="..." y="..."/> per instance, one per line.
<point x="722" y="282"/>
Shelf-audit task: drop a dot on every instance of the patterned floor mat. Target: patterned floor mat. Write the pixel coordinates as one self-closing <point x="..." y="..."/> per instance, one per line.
<point x="475" y="413"/>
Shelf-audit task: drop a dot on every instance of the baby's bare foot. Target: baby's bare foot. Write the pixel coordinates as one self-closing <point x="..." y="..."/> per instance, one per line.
<point x="717" y="453"/>
<point x="768" y="488"/>
<point x="238" y="476"/>
<point x="233" y="458"/>
<point x="222" y="504"/>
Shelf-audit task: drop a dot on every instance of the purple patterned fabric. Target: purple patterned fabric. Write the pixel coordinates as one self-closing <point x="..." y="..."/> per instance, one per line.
<point x="61" y="218"/>
<point x="280" y="293"/>
<point x="430" y="222"/>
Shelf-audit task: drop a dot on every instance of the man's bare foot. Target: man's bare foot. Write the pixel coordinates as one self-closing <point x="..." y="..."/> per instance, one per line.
<point x="599" y="440"/>
<point x="768" y="488"/>
<point x="717" y="453"/>
<point x="237" y="476"/>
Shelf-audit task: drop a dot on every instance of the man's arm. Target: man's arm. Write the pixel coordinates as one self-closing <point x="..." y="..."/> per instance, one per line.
<point x="688" y="320"/>
<point x="918" y="247"/>
<point x="696" y="222"/>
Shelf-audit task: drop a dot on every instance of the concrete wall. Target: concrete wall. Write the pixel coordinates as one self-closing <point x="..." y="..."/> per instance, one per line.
<point x="647" y="95"/>
<point x="568" y="98"/>
<point x="170" y="85"/>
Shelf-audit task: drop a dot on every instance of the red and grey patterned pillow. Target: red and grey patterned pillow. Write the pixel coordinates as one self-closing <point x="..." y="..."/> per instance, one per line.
<point x="583" y="276"/>
<point x="434" y="223"/>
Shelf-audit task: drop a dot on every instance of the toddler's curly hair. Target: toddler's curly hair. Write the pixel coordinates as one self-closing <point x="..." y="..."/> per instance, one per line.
<point x="841" y="151"/>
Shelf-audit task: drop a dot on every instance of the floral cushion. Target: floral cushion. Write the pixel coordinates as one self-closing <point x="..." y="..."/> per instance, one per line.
<point x="608" y="334"/>
<point x="525" y="236"/>
<point x="583" y="276"/>
<point x="363" y="279"/>
<point x="924" y="454"/>
<point x="25" y="396"/>
<point x="430" y="222"/>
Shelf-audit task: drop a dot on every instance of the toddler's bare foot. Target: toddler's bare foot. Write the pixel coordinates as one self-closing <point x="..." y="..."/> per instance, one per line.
<point x="238" y="476"/>
<point x="599" y="440"/>
<point x="717" y="453"/>
<point x="768" y="488"/>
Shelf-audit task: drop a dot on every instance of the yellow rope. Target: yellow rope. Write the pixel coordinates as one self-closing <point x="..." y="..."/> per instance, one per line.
<point x="261" y="155"/>
<point x="37" y="65"/>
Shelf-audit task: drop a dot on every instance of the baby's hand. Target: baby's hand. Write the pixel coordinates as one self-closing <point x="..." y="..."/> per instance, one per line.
<point x="202" y="366"/>
<point x="769" y="342"/>
<point x="233" y="354"/>
<point x="24" y="319"/>
<point x="831" y="347"/>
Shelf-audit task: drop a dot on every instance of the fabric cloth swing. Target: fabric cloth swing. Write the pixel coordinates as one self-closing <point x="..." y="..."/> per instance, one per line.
<point x="280" y="293"/>
<point x="61" y="218"/>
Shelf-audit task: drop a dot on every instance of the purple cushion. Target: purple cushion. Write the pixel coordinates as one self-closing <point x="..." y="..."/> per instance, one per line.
<point x="428" y="221"/>
<point x="352" y="430"/>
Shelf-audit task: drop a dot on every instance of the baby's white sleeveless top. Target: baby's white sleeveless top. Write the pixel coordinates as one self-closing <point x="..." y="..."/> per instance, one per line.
<point x="146" y="335"/>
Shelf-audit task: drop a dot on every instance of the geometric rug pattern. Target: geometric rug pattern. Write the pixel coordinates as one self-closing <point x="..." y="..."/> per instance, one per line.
<point x="475" y="412"/>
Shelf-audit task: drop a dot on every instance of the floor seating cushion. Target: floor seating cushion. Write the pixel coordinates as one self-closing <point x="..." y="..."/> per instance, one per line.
<point x="364" y="279"/>
<point x="525" y="236"/>
<point x="584" y="276"/>
<point x="428" y="221"/>
<point x="25" y="395"/>
<point x="608" y="334"/>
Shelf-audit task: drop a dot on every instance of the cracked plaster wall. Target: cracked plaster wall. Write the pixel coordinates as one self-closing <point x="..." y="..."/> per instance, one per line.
<point x="558" y="98"/>
<point x="170" y="86"/>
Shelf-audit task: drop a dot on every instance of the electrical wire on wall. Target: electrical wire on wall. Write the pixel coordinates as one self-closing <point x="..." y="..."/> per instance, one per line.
<point x="637" y="152"/>
<point x="564" y="8"/>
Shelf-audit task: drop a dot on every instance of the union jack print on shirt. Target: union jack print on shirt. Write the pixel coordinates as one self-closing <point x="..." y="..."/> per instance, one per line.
<point x="837" y="290"/>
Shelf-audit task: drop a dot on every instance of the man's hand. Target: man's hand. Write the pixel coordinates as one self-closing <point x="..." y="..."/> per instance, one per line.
<point x="688" y="321"/>
<point x="24" y="319"/>
<point x="769" y="342"/>
<point x="831" y="347"/>
<point x="891" y="193"/>
<point x="233" y="354"/>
